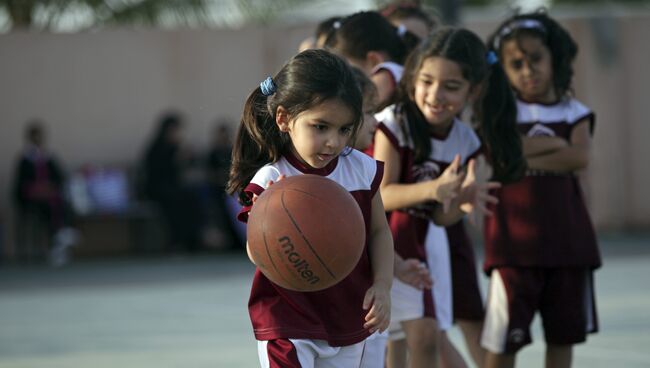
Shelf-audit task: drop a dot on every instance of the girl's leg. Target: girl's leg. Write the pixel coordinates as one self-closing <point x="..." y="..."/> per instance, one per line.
<point x="559" y="356"/>
<point x="421" y="336"/>
<point x="449" y="355"/>
<point x="472" y="332"/>
<point x="396" y="356"/>
<point x="494" y="360"/>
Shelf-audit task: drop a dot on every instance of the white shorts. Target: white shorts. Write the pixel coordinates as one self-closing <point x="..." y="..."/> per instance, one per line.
<point x="374" y="354"/>
<point x="304" y="353"/>
<point x="439" y="261"/>
<point x="407" y="304"/>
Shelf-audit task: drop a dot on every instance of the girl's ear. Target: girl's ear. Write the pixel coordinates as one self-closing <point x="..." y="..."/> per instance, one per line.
<point x="282" y="119"/>
<point x="475" y="92"/>
<point x="375" y="57"/>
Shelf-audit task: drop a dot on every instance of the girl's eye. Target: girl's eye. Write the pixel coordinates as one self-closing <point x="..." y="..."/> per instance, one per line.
<point x="346" y="130"/>
<point x="535" y="58"/>
<point x="320" y="127"/>
<point x="452" y="87"/>
<point x="426" y="82"/>
<point x="517" y="64"/>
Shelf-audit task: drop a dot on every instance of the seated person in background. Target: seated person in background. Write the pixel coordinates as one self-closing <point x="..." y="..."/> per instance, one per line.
<point x="165" y="162"/>
<point x="38" y="195"/>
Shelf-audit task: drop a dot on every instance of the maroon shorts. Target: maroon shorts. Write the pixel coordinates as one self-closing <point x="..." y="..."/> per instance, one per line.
<point x="468" y="303"/>
<point x="563" y="296"/>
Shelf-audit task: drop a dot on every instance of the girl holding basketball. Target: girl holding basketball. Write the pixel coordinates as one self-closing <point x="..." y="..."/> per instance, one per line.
<point x="540" y="246"/>
<point x="301" y="121"/>
<point x="418" y="138"/>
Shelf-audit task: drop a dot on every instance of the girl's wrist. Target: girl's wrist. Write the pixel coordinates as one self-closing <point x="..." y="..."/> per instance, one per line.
<point x="383" y="282"/>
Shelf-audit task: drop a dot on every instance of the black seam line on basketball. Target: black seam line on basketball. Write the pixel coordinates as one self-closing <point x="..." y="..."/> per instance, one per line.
<point x="295" y="224"/>
<point x="268" y="252"/>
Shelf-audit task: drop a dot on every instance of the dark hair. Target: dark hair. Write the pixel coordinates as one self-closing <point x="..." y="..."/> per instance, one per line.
<point x="562" y="47"/>
<point x="168" y="121"/>
<point x="367" y="87"/>
<point x="307" y="80"/>
<point x="325" y="28"/>
<point x="34" y="130"/>
<point x="400" y="10"/>
<point x="494" y="111"/>
<point x="367" y="31"/>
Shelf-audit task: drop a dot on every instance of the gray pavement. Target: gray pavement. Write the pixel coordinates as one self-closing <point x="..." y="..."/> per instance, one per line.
<point x="191" y="312"/>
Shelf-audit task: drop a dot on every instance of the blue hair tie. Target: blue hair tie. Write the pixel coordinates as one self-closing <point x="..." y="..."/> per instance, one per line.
<point x="268" y="87"/>
<point x="491" y="58"/>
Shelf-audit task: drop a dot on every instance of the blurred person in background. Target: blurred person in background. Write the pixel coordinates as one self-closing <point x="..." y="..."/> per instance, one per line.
<point x="218" y="168"/>
<point x="38" y="193"/>
<point x="411" y="15"/>
<point x="323" y="30"/>
<point x="165" y="163"/>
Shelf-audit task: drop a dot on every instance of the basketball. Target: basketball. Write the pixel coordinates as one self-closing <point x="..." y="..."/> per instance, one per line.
<point x="306" y="233"/>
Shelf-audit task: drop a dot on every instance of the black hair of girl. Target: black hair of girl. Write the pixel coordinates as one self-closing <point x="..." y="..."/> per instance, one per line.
<point x="326" y="27"/>
<point x="366" y="31"/>
<point x="304" y="82"/>
<point x="560" y="43"/>
<point x="407" y="9"/>
<point x="494" y="110"/>
<point x="367" y="87"/>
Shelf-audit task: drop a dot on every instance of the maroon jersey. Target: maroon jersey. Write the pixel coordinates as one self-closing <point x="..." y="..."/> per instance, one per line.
<point x="409" y="226"/>
<point x="542" y="220"/>
<point x="334" y="314"/>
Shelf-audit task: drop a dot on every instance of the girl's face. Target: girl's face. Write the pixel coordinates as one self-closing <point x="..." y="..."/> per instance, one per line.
<point x="367" y="130"/>
<point x="527" y="62"/>
<point x="320" y="134"/>
<point x="441" y="92"/>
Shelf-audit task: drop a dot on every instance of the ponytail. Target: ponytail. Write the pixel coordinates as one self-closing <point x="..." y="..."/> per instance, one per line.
<point x="496" y="114"/>
<point x="253" y="146"/>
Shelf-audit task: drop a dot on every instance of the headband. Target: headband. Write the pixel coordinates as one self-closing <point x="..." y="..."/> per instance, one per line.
<point x="516" y="25"/>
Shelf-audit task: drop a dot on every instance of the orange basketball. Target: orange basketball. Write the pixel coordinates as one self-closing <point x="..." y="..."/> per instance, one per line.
<point x="306" y="233"/>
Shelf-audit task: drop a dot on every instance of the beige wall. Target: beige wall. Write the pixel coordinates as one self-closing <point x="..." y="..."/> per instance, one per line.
<point x="100" y="93"/>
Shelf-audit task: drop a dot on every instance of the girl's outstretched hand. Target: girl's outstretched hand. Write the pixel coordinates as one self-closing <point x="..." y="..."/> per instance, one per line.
<point x="414" y="272"/>
<point x="377" y="299"/>
<point x="449" y="183"/>
<point x="474" y="192"/>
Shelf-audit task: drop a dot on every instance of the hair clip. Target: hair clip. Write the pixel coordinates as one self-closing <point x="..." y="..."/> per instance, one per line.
<point x="268" y="87"/>
<point x="515" y="25"/>
<point x="337" y="24"/>
<point x="401" y="30"/>
<point x="491" y="58"/>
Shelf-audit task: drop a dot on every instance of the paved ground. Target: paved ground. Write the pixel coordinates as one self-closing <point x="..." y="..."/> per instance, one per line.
<point x="191" y="312"/>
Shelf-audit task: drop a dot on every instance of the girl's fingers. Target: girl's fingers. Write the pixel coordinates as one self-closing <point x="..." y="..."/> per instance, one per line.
<point x="488" y="198"/>
<point x="492" y="185"/>
<point x="471" y="168"/>
<point x="368" y="299"/>
<point x="455" y="164"/>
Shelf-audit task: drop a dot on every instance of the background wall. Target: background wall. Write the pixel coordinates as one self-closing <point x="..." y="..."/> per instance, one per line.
<point x="100" y="94"/>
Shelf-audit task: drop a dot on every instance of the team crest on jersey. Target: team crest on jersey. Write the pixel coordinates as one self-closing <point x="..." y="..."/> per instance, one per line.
<point x="516" y="336"/>
<point x="540" y="130"/>
<point x="427" y="170"/>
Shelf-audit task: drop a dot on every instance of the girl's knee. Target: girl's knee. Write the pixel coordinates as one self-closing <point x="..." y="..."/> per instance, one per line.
<point x="422" y="337"/>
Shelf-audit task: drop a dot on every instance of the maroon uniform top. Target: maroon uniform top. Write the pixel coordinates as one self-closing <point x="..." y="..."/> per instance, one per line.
<point x="409" y="226"/>
<point x="542" y="220"/>
<point x="335" y="314"/>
